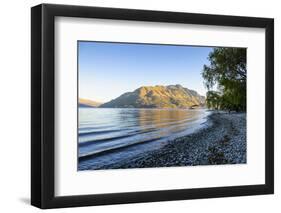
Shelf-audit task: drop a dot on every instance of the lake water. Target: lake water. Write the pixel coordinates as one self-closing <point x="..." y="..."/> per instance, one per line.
<point x="108" y="136"/>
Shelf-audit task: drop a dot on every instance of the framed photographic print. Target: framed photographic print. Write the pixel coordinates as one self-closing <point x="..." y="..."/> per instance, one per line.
<point x="140" y="106"/>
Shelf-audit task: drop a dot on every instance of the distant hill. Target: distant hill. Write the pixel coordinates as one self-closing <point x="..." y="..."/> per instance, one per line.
<point x="172" y="96"/>
<point x="88" y="103"/>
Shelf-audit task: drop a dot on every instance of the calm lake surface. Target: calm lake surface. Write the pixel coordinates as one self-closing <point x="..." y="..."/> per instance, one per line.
<point x="108" y="136"/>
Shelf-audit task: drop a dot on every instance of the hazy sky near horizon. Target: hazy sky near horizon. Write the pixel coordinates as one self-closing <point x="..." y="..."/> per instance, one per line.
<point x="107" y="70"/>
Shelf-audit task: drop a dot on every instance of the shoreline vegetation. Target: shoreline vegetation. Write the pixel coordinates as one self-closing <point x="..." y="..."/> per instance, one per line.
<point x="223" y="141"/>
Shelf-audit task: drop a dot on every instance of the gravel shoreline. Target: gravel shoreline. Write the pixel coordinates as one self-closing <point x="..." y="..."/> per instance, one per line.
<point x="223" y="141"/>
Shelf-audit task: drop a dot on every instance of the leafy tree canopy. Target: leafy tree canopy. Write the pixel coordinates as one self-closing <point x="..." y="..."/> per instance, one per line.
<point x="228" y="72"/>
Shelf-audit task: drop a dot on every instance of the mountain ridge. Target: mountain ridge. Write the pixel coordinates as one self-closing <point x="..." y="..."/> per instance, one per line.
<point x="88" y="103"/>
<point x="159" y="96"/>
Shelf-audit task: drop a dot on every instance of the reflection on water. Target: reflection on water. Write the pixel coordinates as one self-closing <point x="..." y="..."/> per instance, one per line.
<point x="173" y="120"/>
<point x="107" y="136"/>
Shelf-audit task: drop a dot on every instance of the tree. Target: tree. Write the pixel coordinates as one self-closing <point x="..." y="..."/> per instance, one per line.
<point x="213" y="99"/>
<point x="228" y="72"/>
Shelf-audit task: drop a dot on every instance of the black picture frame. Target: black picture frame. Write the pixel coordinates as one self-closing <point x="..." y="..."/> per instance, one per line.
<point x="43" y="102"/>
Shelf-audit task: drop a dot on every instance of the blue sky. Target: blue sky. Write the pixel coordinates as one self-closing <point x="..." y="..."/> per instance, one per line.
<point x="107" y="70"/>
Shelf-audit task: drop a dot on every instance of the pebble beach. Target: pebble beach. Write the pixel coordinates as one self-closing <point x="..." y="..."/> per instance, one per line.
<point x="221" y="141"/>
